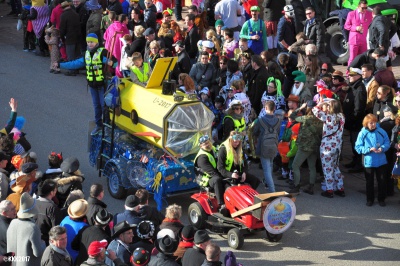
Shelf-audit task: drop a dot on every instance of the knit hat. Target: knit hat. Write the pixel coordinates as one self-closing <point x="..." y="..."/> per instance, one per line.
<point x="96" y="247"/>
<point x="300" y="76"/>
<point x="140" y="257"/>
<point x="92" y="37"/>
<point x="219" y="22"/>
<point x="28" y="208"/>
<point x="131" y="201"/>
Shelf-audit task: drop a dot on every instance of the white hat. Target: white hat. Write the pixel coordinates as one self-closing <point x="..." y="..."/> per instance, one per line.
<point x="208" y="44"/>
<point x="205" y="90"/>
<point x="164" y="232"/>
<point x="235" y="102"/>
<point x="354" y="71"/>
<point x="289" y="10"/>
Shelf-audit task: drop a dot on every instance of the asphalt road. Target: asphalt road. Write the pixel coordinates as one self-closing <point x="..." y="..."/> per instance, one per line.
<point x="57" y="108"/>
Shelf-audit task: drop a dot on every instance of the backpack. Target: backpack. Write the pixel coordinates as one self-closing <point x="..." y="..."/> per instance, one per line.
<point x="111" y="98"/>
<point x="269" y="141"/>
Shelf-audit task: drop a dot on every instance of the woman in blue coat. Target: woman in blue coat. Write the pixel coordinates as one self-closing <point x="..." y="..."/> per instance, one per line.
<point x="372" y="142"/>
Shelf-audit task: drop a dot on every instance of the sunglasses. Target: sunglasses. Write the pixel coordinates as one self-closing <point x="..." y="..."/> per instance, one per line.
<point x="237" y="137"/>
<point x="309" y="13"/>
<point x="203" y="139"/>
<point x="323" y="69"/>
<point x="335" y="78"/>
<point x="297" y="82"/>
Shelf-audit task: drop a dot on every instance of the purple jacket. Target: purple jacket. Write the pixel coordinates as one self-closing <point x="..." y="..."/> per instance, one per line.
<point x="353" y="21"/>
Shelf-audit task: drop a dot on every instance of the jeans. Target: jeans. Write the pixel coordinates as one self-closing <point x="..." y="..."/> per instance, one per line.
<point x="267" y="164"/>
<point x="98" y="104"/>
<point x="72" y="51"/>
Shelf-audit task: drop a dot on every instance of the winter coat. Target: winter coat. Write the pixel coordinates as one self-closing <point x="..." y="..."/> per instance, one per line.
<point x="109" y="41"/>
<point x="163" y="260"/>
<point x="4" y="180"/>
<point x="365" y="58"/>
<point x="200" y="69"/>
<point x="55" y="16"/>
<point x="192" y="37"/>
<point x="130" y="217"/>
<point x="115" y="6"/>
<point x="175" y="225"/>
<point x="316" y="33"/>
<point x="151" y="213"/>
<point x="372" y="139"/>
<point x="286" y="30"/>
<point x="4" y="224"/>
<point x="150" y="16"/>
<point x="48" y="217"/>
<point x="23" y="238"/>
<point x="193" y="257"/>
<point x="70" y="27"/>
<point x="53" y="258"/>
<point x="256" y="87"/>
<point x="386" y="77"/>
<point x="380" y="32"/>
<point x="85" y="236"/>
<point x="274" y="123"/>
<point x="136" y="46"/>
<point x="354" y="105"/>
<point x="93" y="24"/>
<point x="310" y="134"/>
<point x="73" y="228"/>
<point x="65" y="185"/>
<point x="94" y="206"/>
<point x="183" y="65"/>
<point x="273" y="9"/>
<point x="379" y="105"/>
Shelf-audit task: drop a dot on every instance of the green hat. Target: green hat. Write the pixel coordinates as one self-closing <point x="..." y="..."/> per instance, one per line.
<point x="300" y="76"/>
<point x="255" y="8"/>
<point x="219" y="23"/>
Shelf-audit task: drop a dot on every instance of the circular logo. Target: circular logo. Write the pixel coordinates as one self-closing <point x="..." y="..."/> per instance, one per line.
<point x="279" y="215"/>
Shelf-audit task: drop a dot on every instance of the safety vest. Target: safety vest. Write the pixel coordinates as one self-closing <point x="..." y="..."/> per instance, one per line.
<point x="94" y="66"/>
<point x="240" y="125"/>
<point x="142" y="77"/>
<point x="229" y="157"/>
<point x="206" y="177"/>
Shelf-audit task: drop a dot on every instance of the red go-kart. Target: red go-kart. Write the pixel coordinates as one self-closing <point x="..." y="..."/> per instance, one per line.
<point x="246" y="211"/>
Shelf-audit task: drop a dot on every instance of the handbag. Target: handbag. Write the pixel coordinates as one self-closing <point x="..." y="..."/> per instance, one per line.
<point x="396" y="169"/>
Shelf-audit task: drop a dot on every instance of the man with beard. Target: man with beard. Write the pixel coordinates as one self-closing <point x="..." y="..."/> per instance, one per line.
<point x="354" y="110"/>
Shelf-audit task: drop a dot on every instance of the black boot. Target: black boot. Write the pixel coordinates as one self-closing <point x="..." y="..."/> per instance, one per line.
<point x="296" y="189"/>
<point x="309" y="189"/>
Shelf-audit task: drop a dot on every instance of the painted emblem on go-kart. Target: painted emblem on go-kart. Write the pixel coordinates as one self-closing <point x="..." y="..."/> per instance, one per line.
<point x="279" y="215"/>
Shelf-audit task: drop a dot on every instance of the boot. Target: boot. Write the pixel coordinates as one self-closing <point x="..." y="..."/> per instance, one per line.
<point x="309" y="189"/>
<point x="296" y="189"/>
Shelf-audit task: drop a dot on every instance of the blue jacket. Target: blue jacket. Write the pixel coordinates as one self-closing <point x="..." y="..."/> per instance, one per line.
<point x="286" y="31"/>
<point x="368" y="139"/>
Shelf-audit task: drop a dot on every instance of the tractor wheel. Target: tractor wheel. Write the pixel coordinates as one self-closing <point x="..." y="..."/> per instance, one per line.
<point x="114" y="175"/>
<point x="273" y="237"/>
<point x="235" y="238"/>
<point x="197" y="216"/>
<point x="337" y="47"/>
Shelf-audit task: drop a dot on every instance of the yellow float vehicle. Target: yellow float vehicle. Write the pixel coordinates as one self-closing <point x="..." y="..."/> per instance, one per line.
<point x="152" y="136"/>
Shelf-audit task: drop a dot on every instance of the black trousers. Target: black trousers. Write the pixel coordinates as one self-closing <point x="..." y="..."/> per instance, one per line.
<point x="178" y="10"/>
<point x="356" y="157"/>
<point x="379" y="173"/>
<point x="217" y="184"/>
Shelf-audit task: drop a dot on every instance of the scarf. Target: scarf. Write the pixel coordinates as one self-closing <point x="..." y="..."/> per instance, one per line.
<point x="63" y="252"/>
<point x="184" y="244"/>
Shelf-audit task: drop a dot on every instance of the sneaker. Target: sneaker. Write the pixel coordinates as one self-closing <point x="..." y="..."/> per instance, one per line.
<point x="340" y="193"/>
<point x="95" y="131"/>
<point x="327" y="194"/>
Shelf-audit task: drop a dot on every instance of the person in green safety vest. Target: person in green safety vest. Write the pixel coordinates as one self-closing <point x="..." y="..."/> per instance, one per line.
<point x="234" y="119"/>
<point x="96" y="62"/>
<point x="140" y="72"/>
<point x="231" y="162"/>
<point x="206" y="164"/>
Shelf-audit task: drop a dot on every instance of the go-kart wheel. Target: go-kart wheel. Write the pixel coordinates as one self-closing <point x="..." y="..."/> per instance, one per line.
<point x="197" y="216"/>
<point x="114" y="174"/>
<point x="273" y="237"/>
<point x="235" y="238"/>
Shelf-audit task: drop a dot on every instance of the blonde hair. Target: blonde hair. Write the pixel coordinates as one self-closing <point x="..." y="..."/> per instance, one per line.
<point x="217" y="45"/>
<point x="237" y="153"/>
<point x="173" y="211"/>
<point x="154" y="44"/>
<point x="138" y="31"/>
